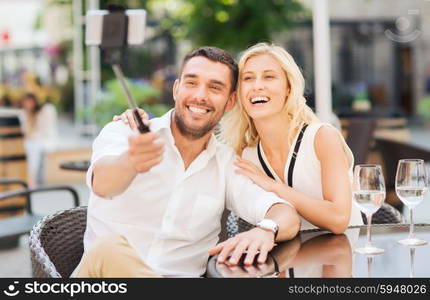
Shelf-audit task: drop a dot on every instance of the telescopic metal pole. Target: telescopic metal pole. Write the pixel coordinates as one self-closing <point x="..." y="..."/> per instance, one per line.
<point x="131" y="103"/>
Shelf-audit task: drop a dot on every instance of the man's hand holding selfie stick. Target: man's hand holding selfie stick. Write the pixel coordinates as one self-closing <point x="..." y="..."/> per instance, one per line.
<point x="112" y="31"/>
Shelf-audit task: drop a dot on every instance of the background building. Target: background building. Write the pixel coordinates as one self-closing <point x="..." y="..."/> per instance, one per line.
<point x="379" y="51"/>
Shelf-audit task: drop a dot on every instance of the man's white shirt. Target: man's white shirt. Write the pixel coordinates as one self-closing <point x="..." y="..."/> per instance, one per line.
<point x="172" y="216"/>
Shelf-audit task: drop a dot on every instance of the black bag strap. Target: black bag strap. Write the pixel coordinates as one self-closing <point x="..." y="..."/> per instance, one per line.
<point x="290" y="169"/>
<point x="293" y="158"/>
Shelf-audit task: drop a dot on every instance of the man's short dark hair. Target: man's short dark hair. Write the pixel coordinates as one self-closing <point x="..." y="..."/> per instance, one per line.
<point x="217" y="55"/>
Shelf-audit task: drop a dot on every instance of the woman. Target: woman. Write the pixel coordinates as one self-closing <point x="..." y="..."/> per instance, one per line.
<point x="40" y="131"/>
<point x="269" y="116"/>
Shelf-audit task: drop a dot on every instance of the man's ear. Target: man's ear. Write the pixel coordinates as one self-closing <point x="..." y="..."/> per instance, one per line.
<point x="175" y="88"/>
<point x="231" y="101"/>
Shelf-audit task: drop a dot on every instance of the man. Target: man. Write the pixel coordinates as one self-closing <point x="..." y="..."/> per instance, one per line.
<point x="157" y="198"/>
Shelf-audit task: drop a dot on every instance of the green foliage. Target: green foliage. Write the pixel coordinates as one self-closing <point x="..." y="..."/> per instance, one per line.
<point x="234" y="24"/>
<point x="113" y="102"/>
<point x="59" y="2"/>
<point x="129" y="4"/>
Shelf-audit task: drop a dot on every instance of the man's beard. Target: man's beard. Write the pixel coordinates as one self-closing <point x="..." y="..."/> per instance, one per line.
<point x="190" y="132"/>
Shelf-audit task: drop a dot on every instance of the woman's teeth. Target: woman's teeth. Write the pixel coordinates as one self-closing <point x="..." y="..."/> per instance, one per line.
<point x="256" y="100"/>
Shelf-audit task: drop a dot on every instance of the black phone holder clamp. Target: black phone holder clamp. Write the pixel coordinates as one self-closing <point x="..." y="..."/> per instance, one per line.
<point x="113" y="44"/>
<point x="114" y="34"/>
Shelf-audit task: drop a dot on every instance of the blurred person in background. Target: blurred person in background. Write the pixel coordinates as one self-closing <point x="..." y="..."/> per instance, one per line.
<point x="40" y="134"/>
<point x="5" y="101"/>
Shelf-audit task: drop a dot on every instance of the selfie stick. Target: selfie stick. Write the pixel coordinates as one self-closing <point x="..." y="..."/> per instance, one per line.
<point x="113" y="43"/>
<point x="131" y="103"/>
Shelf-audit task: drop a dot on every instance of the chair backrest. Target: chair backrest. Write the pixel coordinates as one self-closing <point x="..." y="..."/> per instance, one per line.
<point x="360" y="135"/>
<point x="13" y="163"/>
<point x="392" y="151"/>
<point x="387" y="214"/>
<point x="56" y="243"/>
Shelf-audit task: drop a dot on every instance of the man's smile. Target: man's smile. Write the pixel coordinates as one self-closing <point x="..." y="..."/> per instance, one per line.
<point x="198" y="110"/>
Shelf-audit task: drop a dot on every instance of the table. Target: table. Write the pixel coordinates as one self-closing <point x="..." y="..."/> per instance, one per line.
<point x="75" y="165"/>
<point x="318" y="253"/>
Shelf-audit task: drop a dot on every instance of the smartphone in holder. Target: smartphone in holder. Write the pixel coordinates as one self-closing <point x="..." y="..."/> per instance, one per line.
<point x="100" y="27"/>
<point x="113" y="30"/>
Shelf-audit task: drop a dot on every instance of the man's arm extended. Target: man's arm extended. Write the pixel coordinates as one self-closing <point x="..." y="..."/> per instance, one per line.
<point x="113" y="174"/>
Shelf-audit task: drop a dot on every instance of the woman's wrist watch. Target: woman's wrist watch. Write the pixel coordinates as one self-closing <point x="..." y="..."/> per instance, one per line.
<point x="270" y="225"/>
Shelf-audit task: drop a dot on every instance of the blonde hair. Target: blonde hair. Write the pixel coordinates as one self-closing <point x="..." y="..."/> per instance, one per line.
<point x="238" y="129"/>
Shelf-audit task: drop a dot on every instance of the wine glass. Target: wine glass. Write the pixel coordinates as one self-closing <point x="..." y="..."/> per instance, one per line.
<point x="369" y="194"/>
<point x="411" y="185"/>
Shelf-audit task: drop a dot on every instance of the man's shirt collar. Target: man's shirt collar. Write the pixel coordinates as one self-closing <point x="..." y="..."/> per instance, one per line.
<point x="162" y="122"/>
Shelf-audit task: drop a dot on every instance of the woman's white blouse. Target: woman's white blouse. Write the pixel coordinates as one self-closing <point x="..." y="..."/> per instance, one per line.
<point x="307" y="170"/>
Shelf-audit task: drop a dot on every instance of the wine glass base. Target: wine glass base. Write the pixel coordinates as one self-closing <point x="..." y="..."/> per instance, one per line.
<point x="369" y="250"/>
<point x="412" y="242"/>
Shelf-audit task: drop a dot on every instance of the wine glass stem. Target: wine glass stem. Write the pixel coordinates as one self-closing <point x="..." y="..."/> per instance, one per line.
<point x="369" y="222"/>
<point x="369" y="265"/>
<point x="411" y="227"/>
<point x="412" y="253"/>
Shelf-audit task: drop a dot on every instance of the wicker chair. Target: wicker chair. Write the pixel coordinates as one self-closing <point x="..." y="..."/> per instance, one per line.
<point x="391" y="152"/>
<point x="387" y="214"/>
<point x="56" y="243"/>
